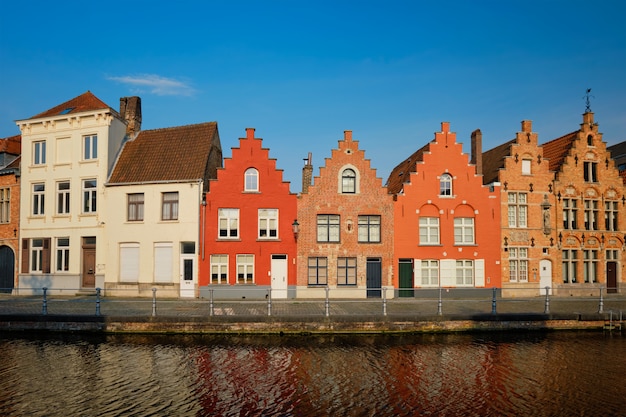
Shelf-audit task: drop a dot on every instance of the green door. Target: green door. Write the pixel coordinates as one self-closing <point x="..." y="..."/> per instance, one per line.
<point x="406" y="278"/>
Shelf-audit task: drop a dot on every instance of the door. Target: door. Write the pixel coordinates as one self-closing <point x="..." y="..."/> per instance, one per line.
<point x="545" y="277"/>
<point x="373" y="277"/>
<point x="88" y="279"/>
<point x="279" y="276"/>
<point x="406" y="278"/>
<point x="611" y="277"/>
<point x="7" y="269"/>
<point x="187" y="285"/>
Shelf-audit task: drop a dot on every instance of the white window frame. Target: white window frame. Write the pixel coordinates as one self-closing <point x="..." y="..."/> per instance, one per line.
<point x="611" y="211"/>
<point x="219" y="269"/>
<point x="63" y="197"/>
<point x="328" y="228"/>
<point x="245" y="269"/>
<point x="369" y="228"/>
<point x="251" y="180"/>
<point x="429" y="231"/>
<point x="590" y="266"/>
<point x="518" y="264"/>
<point x="90" y="147"/>
<point x="570" y="266"/>
<point x="590" y="173"/>
<point x="348" y="181"/>
<point x="591" y="214"/>
<point x="429" y="272"/>
<point x="517" y="209"/>
<point x="39" y="152"/>
<point x="268" y="223"/>
<point x="228" y="223"/>
<point x="36" y="256"/>
<point x="464" y="272"/>
<point x="90" y="196"/>
<point x="445" y="185"/>
<point x="39" y="199"/>
<point x="62" y="254"/>
<point x="464" y="231"/>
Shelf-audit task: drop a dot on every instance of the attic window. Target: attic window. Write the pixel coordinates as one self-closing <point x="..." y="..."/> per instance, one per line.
<point x="66" y="111"/>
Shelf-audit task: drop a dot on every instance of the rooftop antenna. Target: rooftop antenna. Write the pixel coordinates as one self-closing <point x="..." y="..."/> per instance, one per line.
<point x="588" y="97"/>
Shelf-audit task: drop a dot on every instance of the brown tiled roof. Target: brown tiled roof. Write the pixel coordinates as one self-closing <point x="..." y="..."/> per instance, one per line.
<point x="171" y="154"/>
<point x="401" y="173"/>
<point x="557" y="149"/>
<point x="12" y="144"/>
<point x="85" y="102"/>
<point x="493" y="161"/>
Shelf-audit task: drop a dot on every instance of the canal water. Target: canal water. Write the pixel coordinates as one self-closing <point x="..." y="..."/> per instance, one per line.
<point x="487" y="374"/>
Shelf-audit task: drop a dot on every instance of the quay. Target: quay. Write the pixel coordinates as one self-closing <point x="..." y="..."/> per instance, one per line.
<point x="318" y="316"/>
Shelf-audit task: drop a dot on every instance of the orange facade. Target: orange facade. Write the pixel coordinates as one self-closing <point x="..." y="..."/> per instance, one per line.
<point x="447" y="223"/>
<point x="246" y="218"/>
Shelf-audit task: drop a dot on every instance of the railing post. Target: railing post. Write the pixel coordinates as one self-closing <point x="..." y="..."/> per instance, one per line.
<point x="327" y="303"/>
<point x="546" y="309"/>
<point x="439" y="304"/>
<point x="44" y="306"/>
<point x="97" y="301"/>
<point x="154" y="302"/>
<point x="211" y="302"/>
<point x="493" y="302"/>
<point x="384" y="301"/>
<point x="601" y="306"/>
<point x="269" y="301"/>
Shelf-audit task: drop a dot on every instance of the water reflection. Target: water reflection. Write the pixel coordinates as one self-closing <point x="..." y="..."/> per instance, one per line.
<point x="495" y="374"/>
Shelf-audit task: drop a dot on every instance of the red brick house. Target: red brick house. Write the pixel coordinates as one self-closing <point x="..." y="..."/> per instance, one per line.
<point x="345" y="217"/>
<point x="446" y="222"/>
<point x="10" y="149"/>
<point x="247" y="216"/>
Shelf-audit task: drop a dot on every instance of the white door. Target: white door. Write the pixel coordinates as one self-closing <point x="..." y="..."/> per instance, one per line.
<point x="279" y="276"/>
<point x="187" y="272"/>
<point x="545" y="277"/>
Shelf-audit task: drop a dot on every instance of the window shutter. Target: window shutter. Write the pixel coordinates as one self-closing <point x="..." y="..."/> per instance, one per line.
<point x="417" y="272"/>
<point x="25" y="256"/>
<point x="479" y="273"/>
<point x="447" y="270"/>
<point x="45" y="262"/>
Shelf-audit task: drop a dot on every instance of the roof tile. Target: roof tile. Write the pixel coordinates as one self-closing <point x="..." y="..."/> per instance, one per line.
<point x="85" y="102"/>
<point x="402" y="172"/>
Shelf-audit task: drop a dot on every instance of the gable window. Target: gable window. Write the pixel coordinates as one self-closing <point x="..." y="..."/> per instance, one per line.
<point x="251" y="180"/>
<point x="429" y="230"/>
<point x="369" y="229"/>
<point x="610" y="215"/>
<point x="590" y="173"/>
<point x="518" y="264"/>
<point x="463" y="230"/>
<point x="526" y="166"/>
<point x="317" y="271"/>
<point x="5" y="205"/>
<point x="346" y="271"/>
<point x="430" y="273"/>
<point x="328" y="228"/>
<point x="348" y="181"/>
<point x="135" y="207"/>
<point x="219" y="269"/>
<point x="63" y="197"/>
<point x="590" y="266"/>
<point x="570" y="212"/>
<point x="268" y="223"/>
<point x="570" y="265"/>
<point x="39" y="152"/>
<point x="89" y="195"/>
<point x="445" y="185"/>
<point x="591" y="214"/>
<point x="39" y="199"/>
<point x="245" y="269"/>
<point x="90" y="147"/>
<point x="590" y="140"/>
<point x="63" y="254"/>
<point x="169" y="208"/>
<point x="464" y="273"/>
<point x="228" y="223"/>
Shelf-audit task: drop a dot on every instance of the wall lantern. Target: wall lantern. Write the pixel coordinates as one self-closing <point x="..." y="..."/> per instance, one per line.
<point x="295" y="226"/>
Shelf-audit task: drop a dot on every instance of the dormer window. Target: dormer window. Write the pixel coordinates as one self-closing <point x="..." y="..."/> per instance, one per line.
<point x="251" y="180"/>
<point x="348" y="181"/>
<point x="445" y="185"/>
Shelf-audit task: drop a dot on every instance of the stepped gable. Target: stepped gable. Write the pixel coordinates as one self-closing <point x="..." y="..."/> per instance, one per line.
<point x="168" y="154"/>
<point x="493" y="161"/>
<point x="557" y="149"/>
<point x="402" y="172"/>
<point x="85" y="102"/>
<point x="11" y="144"/>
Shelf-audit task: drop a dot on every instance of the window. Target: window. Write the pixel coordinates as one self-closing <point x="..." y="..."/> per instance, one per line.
<point x="90" y="192"/>
<point x="5" y="205"/>
<point x="590" y="173"/>
<point x="570" y="265"/>
<point x="591" y="214"/>
<point x="169" y="206"/>
<point x="129" y="262"/>
<point x="445" y="185"/>
<point x="346" y="271"/>
<point x="245" y="269"/>
<point x="518" y="264"/>
<point x="228" y="220"/>
<point x="369" y="229"/>
<point x="219" y="269"/>
<point x="90" y="147"/>
<point x="590" y="140"/>
<point x="526" y="166"/>
<point x="36" y="255"/>
<point x="429" y="230"/>
<point x="517" y="209"/>
<point x="163" y="262"/>
<point x="463" y="230"/>
<point x="39" y="199"/>
<point x="430" y="273"/>
<point x="590" y="266"/>
<point x="63" y="197"/>
<point x="135" y="207"/>
<point x="570" y="212"/>
<point x="348" y="181"/>
<point x="63" y="254"/>
<point x="328" y="228"/>
<point x="464" y="273"/>
<point x="318" y="271"/>
<point x="251" y="180"/>
<point x="268" y="223"/>
<point x="610" y="215"/>
<point x="39" y="152"/>
<point x="612" y="255"/>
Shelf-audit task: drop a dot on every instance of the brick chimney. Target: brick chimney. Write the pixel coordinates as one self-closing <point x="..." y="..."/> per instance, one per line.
<point x="477" y="151"/>
<point x="130" y="110"/>
<point x="307" y="174"/>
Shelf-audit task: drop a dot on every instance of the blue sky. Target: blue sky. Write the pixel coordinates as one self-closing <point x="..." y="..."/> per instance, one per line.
<point x="302" y="72"/>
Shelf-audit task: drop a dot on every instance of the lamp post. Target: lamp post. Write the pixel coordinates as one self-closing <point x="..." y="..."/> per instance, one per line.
<point x="295" y="226"/>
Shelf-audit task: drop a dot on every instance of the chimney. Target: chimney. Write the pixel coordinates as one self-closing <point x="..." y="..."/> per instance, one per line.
<point x="130" y="110"/>
<point x="527" y="126"/>
<point x="307" y="174"/>
<point x="477" y="151"/>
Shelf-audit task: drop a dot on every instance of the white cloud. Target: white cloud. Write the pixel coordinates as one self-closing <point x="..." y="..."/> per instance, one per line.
<point x="156" y="84"/>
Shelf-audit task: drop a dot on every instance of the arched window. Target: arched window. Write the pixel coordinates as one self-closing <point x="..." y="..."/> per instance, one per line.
<point x="251" y="180"/>
<point x="445" y="185"/>
<point x="348" y="181"/>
